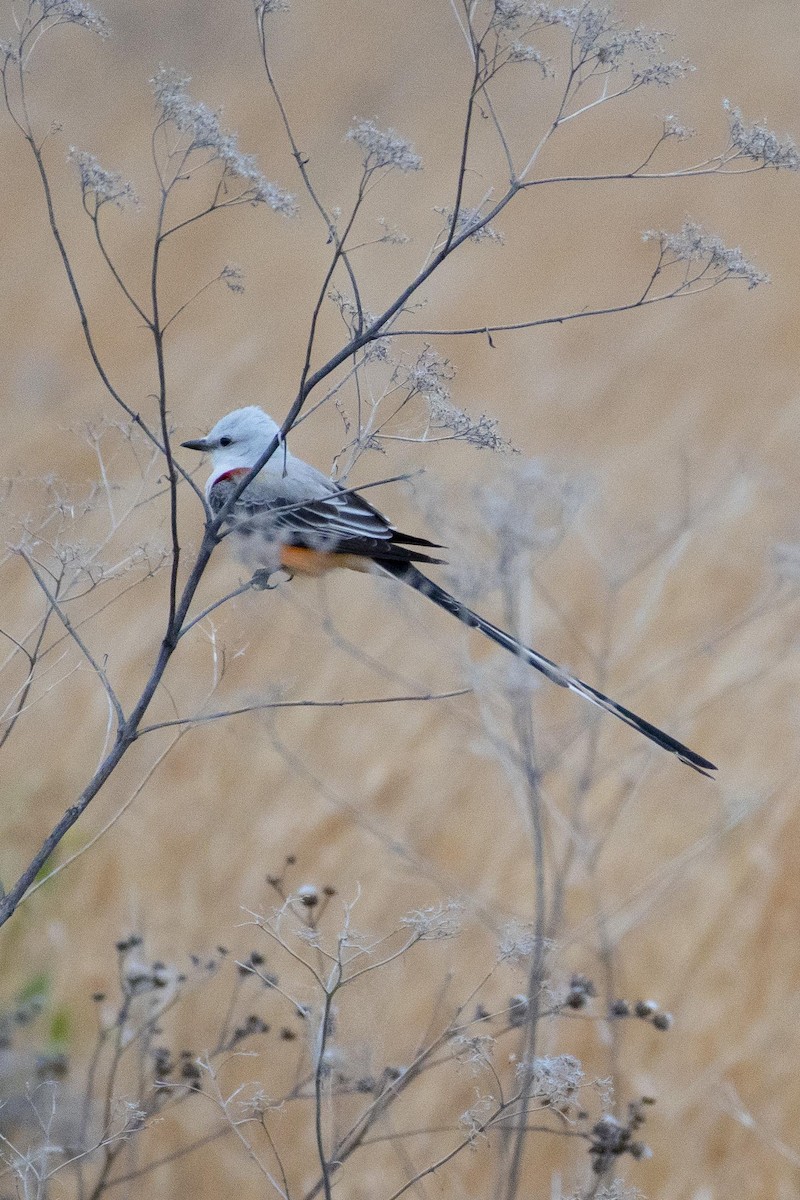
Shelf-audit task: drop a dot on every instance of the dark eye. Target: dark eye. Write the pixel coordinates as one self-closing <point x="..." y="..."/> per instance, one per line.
<point x="225" y="441"/>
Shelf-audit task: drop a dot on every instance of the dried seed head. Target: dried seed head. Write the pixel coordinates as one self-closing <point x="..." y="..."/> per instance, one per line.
<point x="518" y="1009"/>
<point x="438" y="921"/>
<point x="74" y="12"/>
<point x="691" y="244"/>
<point x="645" y="1008"/>
<point x="383" y="147"/>
<point x="200" y="125"/>
<point x="552" y="1080"/>
<point x="759" y="144"/>
<point x="106" y="187"/>
<point x="581" y="990"/>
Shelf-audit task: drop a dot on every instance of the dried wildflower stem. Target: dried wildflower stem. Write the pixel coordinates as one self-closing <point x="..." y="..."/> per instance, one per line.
<point x="126" y="1035"/>
<point x="31" y="703"/>
<point x="94" y="216"/>
<point x="268" y="705"/>
<point x="239" y="591"/>
<point x="158" y="346"/>
<point x="174" y="1155"/>
<point x="91" y="1078"/>
<point x="528" y="768"/>
<point x="181" y="309"/>
<point x="87" y="620"/>
<point x="56" y="607"/>
<point x="319" y="1079"/>
<point x="224" y="1105"/>
<point x="273" y="986"/>
<point x="337" y="255"/>
<point x="23" y="123"/>
<point x="267" y="928"/>
<point x="302" y="164"/>
<point x="356" y="1137"/>
<point x="112" y="821"/>
<point x="33" y="659"/>
<point x="493" y="1122"/>
<point x="465" y="26"/>
<point x="479" y="1128"/>
<point x="126" y="735"/>
<point x="110" y="1153"/>
<point x="464" y="157"/>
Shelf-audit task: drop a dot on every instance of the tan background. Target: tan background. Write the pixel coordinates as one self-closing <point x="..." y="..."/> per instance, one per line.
<point x="685" y="408"/>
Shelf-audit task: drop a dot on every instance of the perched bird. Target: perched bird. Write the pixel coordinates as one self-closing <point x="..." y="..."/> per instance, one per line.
<point x="292" y="517"/>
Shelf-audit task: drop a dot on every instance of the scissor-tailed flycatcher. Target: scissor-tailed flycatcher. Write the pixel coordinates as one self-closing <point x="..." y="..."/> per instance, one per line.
<point x="293" y="517"/>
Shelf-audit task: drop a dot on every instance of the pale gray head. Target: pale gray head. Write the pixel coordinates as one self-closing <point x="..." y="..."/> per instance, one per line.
<point x="238" y="439"/>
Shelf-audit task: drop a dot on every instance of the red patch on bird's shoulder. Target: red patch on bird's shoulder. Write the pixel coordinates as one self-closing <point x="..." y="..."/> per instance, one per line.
<point x="233" y="473"/>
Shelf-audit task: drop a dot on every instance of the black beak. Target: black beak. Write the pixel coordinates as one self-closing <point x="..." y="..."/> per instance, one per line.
<point x="200" y="444"/>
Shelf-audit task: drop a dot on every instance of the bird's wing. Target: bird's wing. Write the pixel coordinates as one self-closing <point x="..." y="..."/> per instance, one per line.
<point x="340" y="521"/>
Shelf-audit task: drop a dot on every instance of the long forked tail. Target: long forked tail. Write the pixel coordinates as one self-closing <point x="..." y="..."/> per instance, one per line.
<point x="408" y="573"/>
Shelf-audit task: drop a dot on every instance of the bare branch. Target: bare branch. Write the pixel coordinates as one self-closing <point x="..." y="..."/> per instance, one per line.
<point x="269" y="705"/>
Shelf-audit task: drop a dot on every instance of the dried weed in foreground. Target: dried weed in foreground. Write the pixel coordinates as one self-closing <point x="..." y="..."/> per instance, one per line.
<point x="288" y="1032"/>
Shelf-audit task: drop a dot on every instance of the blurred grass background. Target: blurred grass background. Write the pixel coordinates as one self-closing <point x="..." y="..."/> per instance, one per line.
<point x="684" y="411"/>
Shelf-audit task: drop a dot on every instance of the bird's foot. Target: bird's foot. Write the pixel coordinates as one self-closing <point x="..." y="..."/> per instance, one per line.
<point x="266" y="580"/>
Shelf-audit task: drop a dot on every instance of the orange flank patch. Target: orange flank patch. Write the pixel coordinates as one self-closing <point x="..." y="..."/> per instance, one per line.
<point x="300" y="561"/>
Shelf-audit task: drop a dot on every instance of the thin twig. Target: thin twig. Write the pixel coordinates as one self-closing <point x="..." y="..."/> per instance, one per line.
<point x="269" y="705"/>
<point x="76" y="637"/>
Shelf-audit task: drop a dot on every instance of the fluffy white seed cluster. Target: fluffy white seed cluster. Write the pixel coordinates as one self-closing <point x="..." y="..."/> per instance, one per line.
<point x="517" y="942"/>
<point x="554" y="1079"/>
<point x="618" y="1189"/>
<point x="520" y="52"/>
<point x="691" y="244"/>
<point x="662" y="74"/>
<point x="383" y="147"/>
<point x="511" y="14"/>
<point x="760" y="144"/>
<point x="434" y="923"/>
<point x="471" y="225"/>
<point x="477" y="431"/>
<point x="600" y="39"/>
<point x="74" y="12"/>
<point x="674" y="128"/>
<point x="428" y="376"/>
<point x="475" y="1051"/>
<point x="477" y="1116"/>
<point x="107" y="187"/>
<point x="201" y="126"/>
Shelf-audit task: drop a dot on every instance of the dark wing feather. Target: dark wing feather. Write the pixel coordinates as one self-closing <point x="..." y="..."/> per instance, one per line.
<point x="342" y="522"/>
